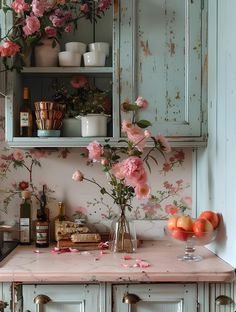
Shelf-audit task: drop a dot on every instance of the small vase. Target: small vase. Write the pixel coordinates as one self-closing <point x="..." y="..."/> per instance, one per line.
<point x="46" y="55"/>
<point x="123" y="235"/>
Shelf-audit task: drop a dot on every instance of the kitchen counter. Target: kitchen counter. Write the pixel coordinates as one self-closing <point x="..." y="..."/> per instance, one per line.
<point x="26" y="264"/>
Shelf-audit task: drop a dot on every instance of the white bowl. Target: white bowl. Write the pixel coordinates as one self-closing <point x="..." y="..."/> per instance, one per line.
<point x="94" y="58"/>
<point x="79" y="47"/>
<point x="67" y="58"/>
<point x="99" y="46"/>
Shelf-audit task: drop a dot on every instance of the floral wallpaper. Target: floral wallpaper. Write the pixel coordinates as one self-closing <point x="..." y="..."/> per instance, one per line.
<point x="171" y="183"/>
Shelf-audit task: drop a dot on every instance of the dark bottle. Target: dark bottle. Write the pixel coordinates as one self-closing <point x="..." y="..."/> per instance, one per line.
<point x="26" y="116"/>
<point x="42" y="225"/>
<point x="25" y="218"/>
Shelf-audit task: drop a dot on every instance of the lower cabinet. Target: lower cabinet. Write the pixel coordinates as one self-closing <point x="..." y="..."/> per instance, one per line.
<point x="107" y="297"/>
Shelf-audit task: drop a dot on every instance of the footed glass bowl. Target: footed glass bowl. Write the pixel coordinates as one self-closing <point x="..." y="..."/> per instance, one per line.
<point x="190" y="240"/>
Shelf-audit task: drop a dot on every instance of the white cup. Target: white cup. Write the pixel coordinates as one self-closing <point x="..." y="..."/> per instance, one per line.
<point x="99" y="46"/>
<point x="67" y="58"/>
<point x="79" y="47"/>
<point x="94" y="58"/>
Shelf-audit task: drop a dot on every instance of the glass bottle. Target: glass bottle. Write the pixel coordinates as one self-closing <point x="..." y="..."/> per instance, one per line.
<point x="41" y="228"/>
<point x="25" y="218"/>
<point x="26" y="116"/>
<point x="60" y="217"/>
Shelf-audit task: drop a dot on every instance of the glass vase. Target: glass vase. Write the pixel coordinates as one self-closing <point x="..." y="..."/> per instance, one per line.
<point x="123" y="235"/>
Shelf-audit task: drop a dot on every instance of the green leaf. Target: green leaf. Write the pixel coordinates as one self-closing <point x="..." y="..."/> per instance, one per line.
<point x="143" y="123"/>
<point x="149" y="168"/>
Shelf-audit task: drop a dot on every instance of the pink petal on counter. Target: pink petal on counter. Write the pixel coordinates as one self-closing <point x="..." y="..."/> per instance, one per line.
<point x="142" y="264"/>
<point x="127" y="258"/>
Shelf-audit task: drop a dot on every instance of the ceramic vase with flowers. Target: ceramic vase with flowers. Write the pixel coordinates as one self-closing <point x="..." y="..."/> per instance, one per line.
<point x="127" y="177"/>
<point x="35" y="20"/>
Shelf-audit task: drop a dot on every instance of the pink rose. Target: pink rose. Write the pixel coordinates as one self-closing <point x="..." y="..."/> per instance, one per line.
<point x="57" y="21"/>
<point x="126" y="126"/>
<point x="79" y="82"/>
<point x="133" y="170"/>
<point x="18" y="155"/>
<point x="141" y="102"/>
<point x="69" y="28"/>
<point x="142" y="191"/>
<point x="137" y="137"/>
<point x="104" y="162"/>
<point x="32" y="25"/>
<point x="117" y="170"/>
<point x="9" y="49"/>
<point x="104" y="5"/>
<point x="19" y="6"/>
<point x="165" y="145"/>
<point x="95" y="151"/>
<point x="147" y="134"/>
<point x="77" y="176"/>
<point x="38" y="8"/>
<point x="50" y="31"/>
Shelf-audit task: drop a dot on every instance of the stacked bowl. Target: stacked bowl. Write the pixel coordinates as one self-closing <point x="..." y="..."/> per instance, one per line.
<point x="49" y="117"/>
<point x="72" y="55"/>
<point x="98" y="51"/>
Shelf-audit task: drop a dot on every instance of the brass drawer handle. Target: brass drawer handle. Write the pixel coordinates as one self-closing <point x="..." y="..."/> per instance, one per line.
<point x="130" y="298"/>
<point x="223" y="300"/>
<point x="42" y="299"/>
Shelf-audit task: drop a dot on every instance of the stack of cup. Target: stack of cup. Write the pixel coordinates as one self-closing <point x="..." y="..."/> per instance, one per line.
<point x="72" y="55"/>
<point x="98" y="51"/>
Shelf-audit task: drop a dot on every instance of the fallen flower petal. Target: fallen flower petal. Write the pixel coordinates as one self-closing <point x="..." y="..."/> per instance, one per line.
<point x="127" y="258"/>
<point x="103" y="245"/>
<point x="143" y="264"/>
<point x="74" y="249"/>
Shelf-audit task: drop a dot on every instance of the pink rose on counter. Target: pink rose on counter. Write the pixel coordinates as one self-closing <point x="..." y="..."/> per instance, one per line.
<point x="95" y="151"/>
<point x="9" y="49"/>
<point x="32" y="25"/>
<point x="164" y="143"/>
<point x="141" y="102"/>
<point x="77" y="176"/>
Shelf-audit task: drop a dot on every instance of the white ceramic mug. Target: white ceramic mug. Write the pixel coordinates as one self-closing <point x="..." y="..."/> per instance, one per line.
<point x="94" y="58"/>
<point x="79" y="47"/>
<point x="99" y="46"/>
<point x="67" y="58"/>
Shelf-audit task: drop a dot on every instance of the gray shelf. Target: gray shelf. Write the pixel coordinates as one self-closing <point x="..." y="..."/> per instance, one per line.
<point x="66" y="70"/>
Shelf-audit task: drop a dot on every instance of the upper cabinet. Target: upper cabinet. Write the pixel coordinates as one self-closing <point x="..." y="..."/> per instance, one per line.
<point x="157" y="51"/>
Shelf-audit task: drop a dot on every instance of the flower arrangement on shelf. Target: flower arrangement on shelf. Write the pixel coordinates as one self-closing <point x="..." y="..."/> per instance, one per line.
<point x="86" y="99"/>
<point x="125" y="166"/>
<point x="34" y="19"/>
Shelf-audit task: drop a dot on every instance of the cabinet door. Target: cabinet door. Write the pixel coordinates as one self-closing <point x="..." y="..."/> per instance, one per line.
<point x="5" y="297"/>
<point x="64" y="298"/>
<point x="161" y="60"/>
<point x="161" y="297"/>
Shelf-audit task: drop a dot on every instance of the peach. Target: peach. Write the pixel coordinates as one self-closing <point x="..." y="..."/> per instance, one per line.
<point x="179" y="234"/>
<point x="211" y="216"/>
<point x="185" y="222"/>
<point x="202" y="227"/>
<point x="172" y="223"/>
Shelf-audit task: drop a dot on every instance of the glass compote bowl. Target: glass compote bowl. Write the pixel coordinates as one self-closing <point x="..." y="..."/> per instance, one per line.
<point x="190" y="240"/>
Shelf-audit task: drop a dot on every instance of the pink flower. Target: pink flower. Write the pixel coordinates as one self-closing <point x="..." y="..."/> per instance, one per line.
<point x="79" y="82"/>
<point x="18" y="155"/>
<point x="32" y="25"/>
<point x="117" y="170"/>
<point x="133" y="170"/>
<point x="69" y="28"/>
<point x="38" y="8"/>
<point x="126" y="126"/>
<point x="187" y="200"/>
<point x="9" y="49"/>
<point x="104" y="5"/>
<point x="165" y="145"/>
<point x="137" y="137"/>
<point x="84" y="8"/>
<point x="95" y="151"/>
<point x="19" y="6"/>
<point x="77" y="176"/>
<point x="147" y="134"/>
<point x="171" y="209"/>
<point x="50" y="31"/>
<point x="141" y="102"/>
<point x="57" y="21"/>
<point x="142" y="191"/>
<point x="23" y="185"/>
<point x="104" y="162"/>
<point x="39" y="153"/>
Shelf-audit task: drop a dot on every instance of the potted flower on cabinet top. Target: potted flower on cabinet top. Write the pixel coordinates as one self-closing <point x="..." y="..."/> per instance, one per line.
<point x="36" y="20"/>
<point x="87" y="109"/>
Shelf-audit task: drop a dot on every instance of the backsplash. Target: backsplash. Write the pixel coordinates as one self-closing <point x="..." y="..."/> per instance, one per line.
<point x="171" y="183"/>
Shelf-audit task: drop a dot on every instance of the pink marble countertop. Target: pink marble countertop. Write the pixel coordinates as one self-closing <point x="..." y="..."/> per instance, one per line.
<point x="24" y="265"/>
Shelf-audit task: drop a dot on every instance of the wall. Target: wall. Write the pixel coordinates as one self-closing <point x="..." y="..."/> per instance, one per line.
<point x="216" y="165"/>
<point x="171" y="184"/>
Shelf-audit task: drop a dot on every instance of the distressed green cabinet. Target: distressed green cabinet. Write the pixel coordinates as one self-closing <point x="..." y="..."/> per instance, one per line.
<point x="158" y="52"/>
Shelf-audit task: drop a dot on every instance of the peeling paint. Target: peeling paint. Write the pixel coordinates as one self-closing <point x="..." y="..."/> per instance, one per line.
<point x="172" y="48"/>
<point x="116" y="7"/>
<point x="178" y="95"/>
<point x="205" y="70"/>
<point x="145" y="47"/>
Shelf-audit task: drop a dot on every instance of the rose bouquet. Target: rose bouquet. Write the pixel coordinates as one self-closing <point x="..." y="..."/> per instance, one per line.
<point x="126" y="165"/>
<point x="34" y="19"/>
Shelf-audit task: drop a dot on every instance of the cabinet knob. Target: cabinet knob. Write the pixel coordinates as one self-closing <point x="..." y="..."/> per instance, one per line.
<point x="130" y="298"/>
<point x="3" y="305"/>
<point x="42" y="299"/>
<point x="223" y="300"/>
